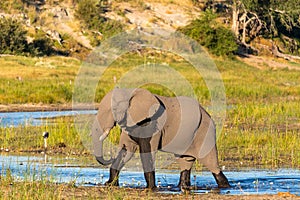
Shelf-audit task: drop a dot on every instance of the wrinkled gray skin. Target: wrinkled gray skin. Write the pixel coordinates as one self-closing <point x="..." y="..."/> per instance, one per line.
<point x="150" y="123"/>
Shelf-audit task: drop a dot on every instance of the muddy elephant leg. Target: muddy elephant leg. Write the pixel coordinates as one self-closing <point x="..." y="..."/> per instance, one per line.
<point x="115" y="168"/>
<point x="221" y="180"/>
<point x="185" y="163"/>
<point x="211" y="162"/>
<point x="126" y="151"/>
<point x="113" y="177"/>
<point x="148" y="162"/>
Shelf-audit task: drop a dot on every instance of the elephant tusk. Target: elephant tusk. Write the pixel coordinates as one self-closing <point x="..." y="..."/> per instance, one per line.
<point x="104" y="135"/>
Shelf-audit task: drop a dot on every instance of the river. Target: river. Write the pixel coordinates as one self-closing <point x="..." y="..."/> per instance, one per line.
<point x="35" y="118"/>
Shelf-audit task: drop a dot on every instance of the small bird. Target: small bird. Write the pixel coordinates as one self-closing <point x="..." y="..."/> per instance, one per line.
<point x="45" y="135"/>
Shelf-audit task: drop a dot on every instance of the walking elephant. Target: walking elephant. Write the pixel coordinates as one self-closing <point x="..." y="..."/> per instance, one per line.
<point x="150" y="122"/>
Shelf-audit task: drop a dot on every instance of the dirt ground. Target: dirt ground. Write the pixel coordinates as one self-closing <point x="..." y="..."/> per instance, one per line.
<point x="121" y="193"/>
<point x="262" y="63"/>
<point x="68" y="191"/>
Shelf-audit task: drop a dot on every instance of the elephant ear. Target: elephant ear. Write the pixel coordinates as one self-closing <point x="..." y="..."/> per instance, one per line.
<point x="144" y="107"/>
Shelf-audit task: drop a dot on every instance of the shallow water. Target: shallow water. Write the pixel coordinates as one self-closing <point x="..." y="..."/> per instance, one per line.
<point x="65" y="170"/>
<point x="8" y="119"/>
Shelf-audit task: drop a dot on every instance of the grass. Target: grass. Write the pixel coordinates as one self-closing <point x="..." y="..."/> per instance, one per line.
<point x="36" y="80"/>
<point x="10" y="188"/>
<point x="261" y="128"/>
<point x="64" y="137"/>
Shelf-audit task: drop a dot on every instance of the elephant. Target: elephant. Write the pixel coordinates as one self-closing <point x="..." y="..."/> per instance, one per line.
<point x="150" y="122"/>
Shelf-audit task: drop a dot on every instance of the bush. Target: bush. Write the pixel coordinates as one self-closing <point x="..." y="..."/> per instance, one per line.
<point x="13" y="40"/>
<point x="12" y="37"/>
<point x="92" y="14"/>
<point x="205" y="30"/>
<point x="41" y="47"/>
<point x="111" y="27"/>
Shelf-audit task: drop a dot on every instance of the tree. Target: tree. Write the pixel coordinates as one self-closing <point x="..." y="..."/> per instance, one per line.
<point x="12" y="37"/>
<point x="267" y="18"/>
<point x="246" y="19"/>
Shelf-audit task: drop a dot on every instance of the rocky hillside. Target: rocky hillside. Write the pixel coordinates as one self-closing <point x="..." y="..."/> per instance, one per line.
<point x="56" y="19"/>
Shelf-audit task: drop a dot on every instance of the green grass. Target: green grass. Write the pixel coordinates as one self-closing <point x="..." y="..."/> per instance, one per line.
<point x="64" y="137"/>
<point x="11" y="188"/>
<point x="262" y="125"/>
<point x="37" y="80"/>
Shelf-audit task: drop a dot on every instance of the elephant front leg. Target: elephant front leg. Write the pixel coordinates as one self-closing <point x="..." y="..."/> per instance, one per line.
<point x="115" y="168"/>
<point x="127" y="148"/>
<point x="150" y="180"/>
<point x="148" y="162"/>
<point x="113" y="177"/>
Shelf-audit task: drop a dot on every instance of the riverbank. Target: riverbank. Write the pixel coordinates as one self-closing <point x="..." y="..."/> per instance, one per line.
<point x="34" y="107"/>
<point x="36" y="190"/>
<point x="44" y="107"/>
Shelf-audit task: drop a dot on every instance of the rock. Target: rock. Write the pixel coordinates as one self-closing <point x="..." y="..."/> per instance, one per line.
<point x="60" y="13"/>
<point x="54" y="35"/>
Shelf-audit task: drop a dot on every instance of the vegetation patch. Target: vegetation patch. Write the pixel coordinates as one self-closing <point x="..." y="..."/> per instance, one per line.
<point x="261" y="128"/>
<point x="217" y="38"/>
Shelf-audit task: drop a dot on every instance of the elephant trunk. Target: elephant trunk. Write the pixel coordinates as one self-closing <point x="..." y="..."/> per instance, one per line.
<point x="98" y="147"/>
<point x="102" y="161"/>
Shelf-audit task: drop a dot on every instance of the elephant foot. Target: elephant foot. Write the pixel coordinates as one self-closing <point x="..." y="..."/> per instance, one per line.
<point x="221" y="180"/>
<point x="185" y="180"/>
<point x="113" y="178"/>
<point x="150" y="180"/>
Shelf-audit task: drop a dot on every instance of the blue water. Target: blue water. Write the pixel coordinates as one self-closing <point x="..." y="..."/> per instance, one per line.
<point x="243" y="181"/>
<point x="8" y="119"/>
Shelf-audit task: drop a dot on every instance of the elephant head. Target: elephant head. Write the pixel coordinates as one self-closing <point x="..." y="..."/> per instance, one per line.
<point x="136" y="111"/>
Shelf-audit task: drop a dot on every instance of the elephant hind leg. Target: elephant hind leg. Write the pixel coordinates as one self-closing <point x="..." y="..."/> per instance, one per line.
<point x="211" y="162"/>
<point x="221" y="180"/>
<point x="185" y="163"/>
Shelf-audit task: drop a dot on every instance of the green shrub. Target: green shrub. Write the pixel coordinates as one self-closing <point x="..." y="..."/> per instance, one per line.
<point x="111" y="27"/>
<point x="41" y="47"/>
<point x="13" y="40"/>
<point x="91" y="12"/>
<point x="205" y="30"/>
<point x="12" y="37"/>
